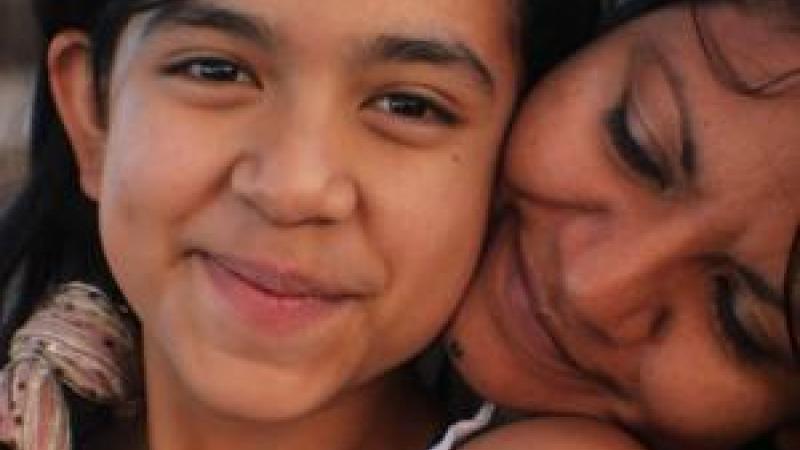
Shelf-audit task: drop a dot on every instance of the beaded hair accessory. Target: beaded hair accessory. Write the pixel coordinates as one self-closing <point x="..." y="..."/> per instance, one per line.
<point x="78" y="339"/>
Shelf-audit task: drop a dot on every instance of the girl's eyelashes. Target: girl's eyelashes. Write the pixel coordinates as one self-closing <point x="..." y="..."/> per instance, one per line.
<point x="631" y="151"/>
<point x="211" y="69"/>
<point x="413" y="107"/>
<point x="726" y="300"/>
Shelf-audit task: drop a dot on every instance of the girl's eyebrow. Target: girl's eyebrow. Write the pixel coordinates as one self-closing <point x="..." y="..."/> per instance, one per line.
<point x="412" y="48"/>
<point x="197" y="14"/>
<point x="431" y="50"/>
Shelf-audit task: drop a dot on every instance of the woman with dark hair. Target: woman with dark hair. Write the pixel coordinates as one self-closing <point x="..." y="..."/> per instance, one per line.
<point x="643" y="269"/>
<point x="284" y="201"/>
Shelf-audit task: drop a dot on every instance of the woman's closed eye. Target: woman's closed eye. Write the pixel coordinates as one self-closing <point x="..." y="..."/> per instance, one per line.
<point x="755" y="329"/>
<point x="725" y="299"/>
<point x="632" y="152"/>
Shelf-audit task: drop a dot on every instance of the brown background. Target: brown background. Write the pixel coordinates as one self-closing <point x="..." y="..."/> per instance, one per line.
<point x="18" y="53"/>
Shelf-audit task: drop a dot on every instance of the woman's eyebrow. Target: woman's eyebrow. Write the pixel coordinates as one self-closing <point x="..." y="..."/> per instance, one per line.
<point x="201" y="15"/>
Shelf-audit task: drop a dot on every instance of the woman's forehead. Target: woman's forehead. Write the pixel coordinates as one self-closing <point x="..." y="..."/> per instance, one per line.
<point x="754" y="48"/>
<point x="738" y="74"/>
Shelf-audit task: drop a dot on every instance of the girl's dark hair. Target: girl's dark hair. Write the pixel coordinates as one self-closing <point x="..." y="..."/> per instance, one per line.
<point x="48" y="234"/>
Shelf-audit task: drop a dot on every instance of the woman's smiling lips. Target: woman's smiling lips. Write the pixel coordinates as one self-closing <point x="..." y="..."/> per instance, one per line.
<point x="528" y="322"/>
<point x="274" y="301"/>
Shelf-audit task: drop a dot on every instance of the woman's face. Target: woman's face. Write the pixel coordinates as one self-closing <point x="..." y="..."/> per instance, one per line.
<point x="637" y="274"/>
<point x="292" y="193"/>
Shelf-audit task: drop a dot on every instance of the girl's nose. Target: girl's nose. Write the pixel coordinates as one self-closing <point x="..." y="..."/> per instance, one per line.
<point x="300" y="175"/>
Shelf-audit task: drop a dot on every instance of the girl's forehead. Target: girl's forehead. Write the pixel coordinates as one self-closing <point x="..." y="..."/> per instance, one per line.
<point x="440" y="34"/>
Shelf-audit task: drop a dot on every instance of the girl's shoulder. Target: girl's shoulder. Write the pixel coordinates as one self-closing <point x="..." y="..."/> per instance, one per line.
<point x="555" y="433"/>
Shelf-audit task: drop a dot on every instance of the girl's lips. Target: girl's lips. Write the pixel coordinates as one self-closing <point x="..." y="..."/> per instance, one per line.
<point x="274" y="302"/>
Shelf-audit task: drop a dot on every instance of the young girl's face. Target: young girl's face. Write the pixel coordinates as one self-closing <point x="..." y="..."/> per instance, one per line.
<point x="292" y="193"/>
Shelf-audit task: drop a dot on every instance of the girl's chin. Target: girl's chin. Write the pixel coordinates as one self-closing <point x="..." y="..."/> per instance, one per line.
<point x="236" y="388"/>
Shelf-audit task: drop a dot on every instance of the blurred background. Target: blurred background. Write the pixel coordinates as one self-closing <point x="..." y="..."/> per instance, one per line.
<point x="18" y="53"/>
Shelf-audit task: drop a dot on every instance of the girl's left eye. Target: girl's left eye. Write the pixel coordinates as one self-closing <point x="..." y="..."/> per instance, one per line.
<point x="414" y="107"/>
<point x="211" y="69"/>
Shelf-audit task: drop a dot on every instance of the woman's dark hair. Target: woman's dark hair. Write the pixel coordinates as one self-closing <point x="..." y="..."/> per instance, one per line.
<point x="551" y="30"/>
<point x="620" y="11"/>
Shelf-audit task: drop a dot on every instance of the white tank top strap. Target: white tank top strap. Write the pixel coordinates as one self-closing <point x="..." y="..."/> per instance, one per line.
<point x="463" y="429"/>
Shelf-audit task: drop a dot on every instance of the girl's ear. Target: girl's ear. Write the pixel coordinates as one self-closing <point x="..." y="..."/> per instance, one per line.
<point x="71" y="83"/>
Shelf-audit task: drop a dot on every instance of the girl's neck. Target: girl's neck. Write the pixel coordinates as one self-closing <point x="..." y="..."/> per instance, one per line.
<point x="391" y="413"/>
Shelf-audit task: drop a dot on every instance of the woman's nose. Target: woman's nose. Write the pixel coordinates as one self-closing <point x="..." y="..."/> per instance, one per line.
<point x="624" y="288"/>
<point x="298" y="175"/>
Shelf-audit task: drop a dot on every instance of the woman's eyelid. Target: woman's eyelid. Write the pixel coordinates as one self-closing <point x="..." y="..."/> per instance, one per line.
<point x="651" y="128"/>
<point x="767" y="325"/>
<point x="766" y="310"/>
<point x="642" y="130"/>
<point x="630" y="149"/>
<point x="665" y="108"/>
<point x="654" y="109"/>
<point x="735" y="333"/>
<point x="744" y="316"/>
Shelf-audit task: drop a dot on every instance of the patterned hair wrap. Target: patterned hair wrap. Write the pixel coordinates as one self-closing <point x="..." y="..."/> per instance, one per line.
<point x="77" y="339"/>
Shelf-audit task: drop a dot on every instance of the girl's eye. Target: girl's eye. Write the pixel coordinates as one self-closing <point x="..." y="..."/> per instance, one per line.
<point x="414" y="107"/>
<point x="212" y="70"/>
<point x="633" y="153"/>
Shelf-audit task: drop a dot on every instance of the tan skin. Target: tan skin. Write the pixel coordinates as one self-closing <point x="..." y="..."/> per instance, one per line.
<point x="307" y="185"/>
<point x="631" y="295"/>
